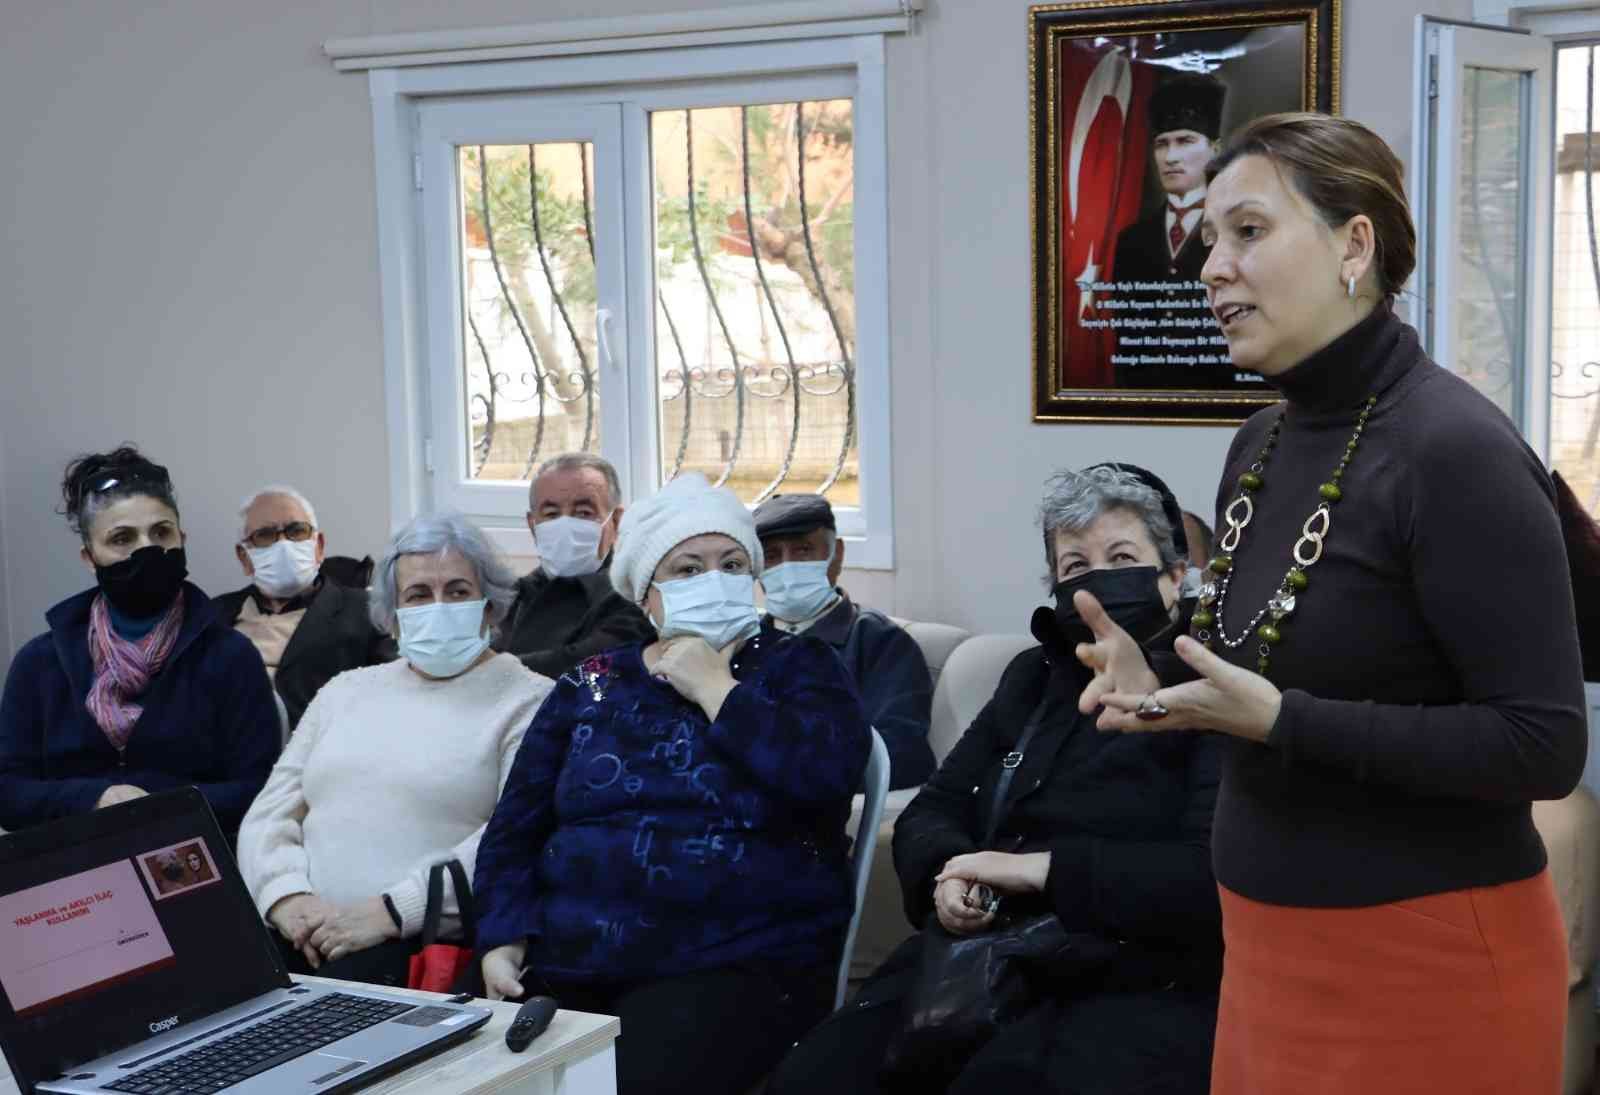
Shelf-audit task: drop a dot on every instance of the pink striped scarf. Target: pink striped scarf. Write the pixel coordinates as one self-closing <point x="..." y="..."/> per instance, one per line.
<point x="123" y="668"/>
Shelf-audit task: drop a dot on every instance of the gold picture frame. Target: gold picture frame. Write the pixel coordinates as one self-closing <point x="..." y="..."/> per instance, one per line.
<point x="1127" y="99"/>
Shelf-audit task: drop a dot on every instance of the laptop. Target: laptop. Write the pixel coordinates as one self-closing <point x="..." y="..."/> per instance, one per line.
<point x="132" y="960"/>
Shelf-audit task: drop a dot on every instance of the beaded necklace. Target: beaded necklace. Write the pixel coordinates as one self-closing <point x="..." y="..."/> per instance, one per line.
<point x="1267" y="624"/>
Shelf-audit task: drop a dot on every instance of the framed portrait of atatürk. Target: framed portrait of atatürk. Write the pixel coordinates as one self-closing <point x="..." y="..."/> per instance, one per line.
<point x="1129" y="101"/>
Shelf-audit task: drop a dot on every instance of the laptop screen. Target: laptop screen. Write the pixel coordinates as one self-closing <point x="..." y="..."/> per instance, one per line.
<point x="118" y="925"/>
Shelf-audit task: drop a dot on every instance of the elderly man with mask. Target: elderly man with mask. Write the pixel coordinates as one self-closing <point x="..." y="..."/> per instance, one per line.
<point x="804" y="557"/>
<point x="305" y="613"/>
<point x="567" y="610"/>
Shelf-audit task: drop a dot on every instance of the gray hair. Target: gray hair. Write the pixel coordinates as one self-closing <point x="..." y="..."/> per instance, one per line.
<point x="1074" y="500"/>
<point x="577" y="461"/>
<point x="431" y="534"/>
<point x="276" y="491"/>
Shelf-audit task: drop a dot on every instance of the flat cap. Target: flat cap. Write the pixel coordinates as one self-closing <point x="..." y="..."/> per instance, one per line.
<point x="793" y="515"/>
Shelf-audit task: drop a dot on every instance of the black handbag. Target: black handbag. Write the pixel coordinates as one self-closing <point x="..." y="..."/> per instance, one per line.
<point x="969" y="986"/>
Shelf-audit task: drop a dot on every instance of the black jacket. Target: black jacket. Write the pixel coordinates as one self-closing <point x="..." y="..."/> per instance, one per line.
<point x="555" y="623"/>
<point x="892" y="676"/>
<point x="335" y="634"/>
<point x="1126" y="818"/>
<point x="208" y="720"/>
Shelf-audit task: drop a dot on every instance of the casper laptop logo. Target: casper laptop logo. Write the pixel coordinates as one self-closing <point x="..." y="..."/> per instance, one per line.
<point x="164" y="1024"/>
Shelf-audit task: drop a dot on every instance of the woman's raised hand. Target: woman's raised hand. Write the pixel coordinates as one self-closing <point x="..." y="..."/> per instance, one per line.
<point x="700" y="674"/>
<point x="1118" y="663"/>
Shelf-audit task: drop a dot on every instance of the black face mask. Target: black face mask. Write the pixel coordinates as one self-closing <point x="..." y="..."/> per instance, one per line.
<point x="1129" y="595"/>
<point x="145" y="582"/>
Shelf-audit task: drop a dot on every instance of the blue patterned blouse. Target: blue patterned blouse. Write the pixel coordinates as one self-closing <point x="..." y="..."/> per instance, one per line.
<point x="636" y="838"/>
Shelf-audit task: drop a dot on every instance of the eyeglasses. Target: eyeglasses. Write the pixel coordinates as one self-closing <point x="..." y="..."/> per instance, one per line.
<point x="267" y="535"/>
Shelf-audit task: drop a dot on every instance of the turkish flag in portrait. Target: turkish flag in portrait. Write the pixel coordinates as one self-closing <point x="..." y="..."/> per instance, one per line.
<point x="1104" y="142"/>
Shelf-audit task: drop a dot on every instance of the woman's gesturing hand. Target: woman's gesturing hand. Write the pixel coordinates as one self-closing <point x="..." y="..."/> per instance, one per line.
<point x="700" y="674"/>
<point x="502" y="971"/>
<point x="1226" y="698"/>
<point x="1118" y="663"/>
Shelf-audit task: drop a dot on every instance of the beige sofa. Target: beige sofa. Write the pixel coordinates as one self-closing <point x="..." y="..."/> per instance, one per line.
<point x="966" y="669"/>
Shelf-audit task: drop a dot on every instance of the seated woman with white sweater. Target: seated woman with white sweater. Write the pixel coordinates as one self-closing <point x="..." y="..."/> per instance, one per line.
<point x="393" y="767"/>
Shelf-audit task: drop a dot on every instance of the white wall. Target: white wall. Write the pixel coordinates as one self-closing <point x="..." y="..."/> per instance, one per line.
<point x="6" y="645"/>
<point x="190" y="263"/>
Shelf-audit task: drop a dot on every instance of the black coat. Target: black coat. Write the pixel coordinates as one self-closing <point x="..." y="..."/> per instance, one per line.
<point x="208" y="720"/>
<point x="555" y="623"/>
<point x="1126" y="818"/>
<point x="334" y="635"/>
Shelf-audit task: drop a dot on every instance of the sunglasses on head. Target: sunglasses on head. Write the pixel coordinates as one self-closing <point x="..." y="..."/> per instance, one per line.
<point x="150" y="476"/>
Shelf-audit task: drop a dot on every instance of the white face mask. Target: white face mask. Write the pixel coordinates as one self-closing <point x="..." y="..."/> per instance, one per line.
<point x="569" y="547"/>
<point x="797" y="591"/>
<point x="442" y="640"/>
<point x="286" y="569"/>
<point x="717" y="606"/>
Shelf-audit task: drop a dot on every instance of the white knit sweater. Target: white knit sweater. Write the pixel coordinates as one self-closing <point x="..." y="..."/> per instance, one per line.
<point x="388" y="773"/>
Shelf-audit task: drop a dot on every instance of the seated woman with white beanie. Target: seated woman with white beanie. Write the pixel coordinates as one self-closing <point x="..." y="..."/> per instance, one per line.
<point x="393" y="767"/>
<point x="670" y="846"/>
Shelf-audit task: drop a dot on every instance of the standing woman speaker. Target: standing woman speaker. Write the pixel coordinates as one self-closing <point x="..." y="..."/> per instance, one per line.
<point x="1387" y="636"/>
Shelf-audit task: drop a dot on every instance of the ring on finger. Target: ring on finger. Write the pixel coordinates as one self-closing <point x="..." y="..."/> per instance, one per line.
<point x="1150" y="708"/>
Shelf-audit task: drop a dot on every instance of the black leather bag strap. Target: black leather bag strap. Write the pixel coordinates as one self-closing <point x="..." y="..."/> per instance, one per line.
<point x="435" y="908"/>
<point x="1009" y="765"/>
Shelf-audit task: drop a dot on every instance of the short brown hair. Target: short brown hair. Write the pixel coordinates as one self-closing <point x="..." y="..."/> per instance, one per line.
<point x="1341" y="168"/>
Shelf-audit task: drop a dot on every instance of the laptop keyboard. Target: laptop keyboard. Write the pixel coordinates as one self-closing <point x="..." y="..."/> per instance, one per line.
<point x="219" y="1065"/>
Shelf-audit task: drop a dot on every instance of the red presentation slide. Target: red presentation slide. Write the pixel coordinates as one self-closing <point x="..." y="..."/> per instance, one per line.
<point x="78" y="935"/>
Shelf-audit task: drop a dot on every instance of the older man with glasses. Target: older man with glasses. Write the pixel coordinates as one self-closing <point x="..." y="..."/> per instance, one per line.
<point x="305" y="612"/>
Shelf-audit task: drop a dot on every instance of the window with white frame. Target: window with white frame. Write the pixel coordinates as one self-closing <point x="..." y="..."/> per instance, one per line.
<point x="1506" y="177"/>
<point x="1575" y="299"/>
<point x="675" y="259"/>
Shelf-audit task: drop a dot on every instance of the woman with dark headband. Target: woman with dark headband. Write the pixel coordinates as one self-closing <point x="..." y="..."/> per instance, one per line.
<point x="1034" y="807"/>
<point x="135" y="688"/>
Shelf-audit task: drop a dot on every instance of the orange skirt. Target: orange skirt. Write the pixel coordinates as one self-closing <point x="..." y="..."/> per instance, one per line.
<point x="1456" y="993"/>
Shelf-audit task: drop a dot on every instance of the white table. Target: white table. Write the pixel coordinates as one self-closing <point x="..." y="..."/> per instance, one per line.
<point x="575" y="1056"/>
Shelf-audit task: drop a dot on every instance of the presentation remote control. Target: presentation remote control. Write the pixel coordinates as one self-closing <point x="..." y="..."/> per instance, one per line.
<point x="531" y="1021"/>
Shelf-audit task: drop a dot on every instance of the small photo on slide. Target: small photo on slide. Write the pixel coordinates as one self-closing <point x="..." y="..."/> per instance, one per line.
<point x="179" y="868"/>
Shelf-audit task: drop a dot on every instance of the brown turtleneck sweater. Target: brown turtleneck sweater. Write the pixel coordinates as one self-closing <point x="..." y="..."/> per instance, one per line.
<point x="1430" y="673"/>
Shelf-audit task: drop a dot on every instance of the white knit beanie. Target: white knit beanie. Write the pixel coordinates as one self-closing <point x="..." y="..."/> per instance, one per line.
<point x="687" y="506"/>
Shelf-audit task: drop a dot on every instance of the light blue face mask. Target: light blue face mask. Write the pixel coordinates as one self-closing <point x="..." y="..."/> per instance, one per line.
<point x="797" y="591"/>
<point x="442" y="640"/>
<point x="717" y="606"/>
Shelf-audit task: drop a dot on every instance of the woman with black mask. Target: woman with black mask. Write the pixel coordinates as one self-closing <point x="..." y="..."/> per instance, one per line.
<point x="135" y="688"/>
<point x="1034" y="812"/>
